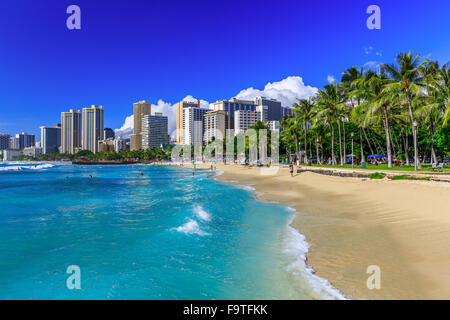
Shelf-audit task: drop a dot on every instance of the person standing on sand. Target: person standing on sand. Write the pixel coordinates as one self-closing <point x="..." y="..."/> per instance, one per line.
<point x="291" y="169"/>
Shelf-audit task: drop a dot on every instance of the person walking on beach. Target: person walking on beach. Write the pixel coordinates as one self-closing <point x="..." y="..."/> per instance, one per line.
<point x="291" y="169"/>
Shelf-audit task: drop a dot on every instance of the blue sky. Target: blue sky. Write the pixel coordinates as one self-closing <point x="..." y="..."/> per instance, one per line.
<point x="132" y="50"/>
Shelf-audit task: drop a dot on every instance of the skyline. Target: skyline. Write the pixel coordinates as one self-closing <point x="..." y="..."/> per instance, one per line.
<point x="165" y="52"/>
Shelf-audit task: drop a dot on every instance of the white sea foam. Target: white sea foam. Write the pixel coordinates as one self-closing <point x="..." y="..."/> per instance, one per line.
<point x="202" y="214"/>
<point x="191" y="227"/>
<point x="296" y="248"/>
<point x="27" y="167"/>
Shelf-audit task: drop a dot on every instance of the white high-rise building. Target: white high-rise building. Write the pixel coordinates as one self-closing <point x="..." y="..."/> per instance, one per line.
<point x="70" y="131"/>
<point x="93" y="127"/>
<point x="154" y="131"/>
<point x="120" y="144"/>
<point x="193" y="125"/>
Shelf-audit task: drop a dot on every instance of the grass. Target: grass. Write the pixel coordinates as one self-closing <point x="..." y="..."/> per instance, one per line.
<point x="425" y="167"/>
<point x="408" y="177"/>
<point x="377" y="176"/>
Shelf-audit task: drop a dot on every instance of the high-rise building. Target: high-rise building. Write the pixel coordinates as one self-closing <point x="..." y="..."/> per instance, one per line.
<point x="286" y="111"/>
<point x="70" y="131"/>
<point x="32" y="152"/>
<point x="215" y="125"/>
<point x="272" y="108"/>
<point x="140" y="109"/>
<point x="26" y="140"/>
<point x="109" y="134"/>
<point x="5" y="141"/>
<point x="106" y="145"/>
<point x="180" y="114"/>
<point x="233" y="105"/>
<point x="120" y="144"/>
<point x="50" y="139"/>
<point x="154" y="131"/>
<point x="93" y="127"/>
<point x="10" y="155"/>
<point x="193" y="125"/>
<point x="245" y="119"/>
<point x="14" y="143"/>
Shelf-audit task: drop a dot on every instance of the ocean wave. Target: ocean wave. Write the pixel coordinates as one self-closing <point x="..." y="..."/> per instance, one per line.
<point x="202" y="214"/>
<point x="296" y="248"/>
<point x="27" y="167"/>
<point x="191" y="227"/>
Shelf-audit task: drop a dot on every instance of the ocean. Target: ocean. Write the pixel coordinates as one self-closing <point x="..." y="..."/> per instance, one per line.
<point x="162" y="235"/>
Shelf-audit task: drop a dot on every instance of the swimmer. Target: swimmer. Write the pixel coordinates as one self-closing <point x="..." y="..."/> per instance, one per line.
<point x="90" y="176"/>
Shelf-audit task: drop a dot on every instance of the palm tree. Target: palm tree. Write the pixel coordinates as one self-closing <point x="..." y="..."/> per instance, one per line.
<point x="330" y="100"/>
<point x="290" y="131"/>
<point x="437" y="103"/>
<point x="376" y="104"/>
<point x="304" y="111"/>
<point x="408" y="79"/>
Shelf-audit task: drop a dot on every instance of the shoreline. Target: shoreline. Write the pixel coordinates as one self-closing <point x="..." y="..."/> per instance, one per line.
<point x="350" y="226"/>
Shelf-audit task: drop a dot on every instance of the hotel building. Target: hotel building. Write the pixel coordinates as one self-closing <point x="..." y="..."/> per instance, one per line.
<point x="109" y="134"/>
<point x="14" y="143"/>
<point x="215" y="125"/>
<point x="180" y="114"/>
<point x="234" y="105"/>
<point x="93" y="127"/>
<point x="70" y="131"/>
<point x="106" y="145"/>
<point x="140" y="109"/>
<point x="25" y="140"/>
<point x="120" y="144"/>
<point x="245" y="119"/>
<point x="5" y="141"/>
<point x="271" y="108"/>
<point x="193" y="125"/>
<point x="51" y="139"/>
<point x="154" y="131"/>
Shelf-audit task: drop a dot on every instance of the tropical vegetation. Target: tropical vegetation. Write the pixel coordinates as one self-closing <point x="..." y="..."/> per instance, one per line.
<point x="399" y="113"/>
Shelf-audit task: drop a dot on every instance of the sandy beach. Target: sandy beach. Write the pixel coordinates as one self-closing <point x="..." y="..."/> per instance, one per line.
<point x="401" y="226"/>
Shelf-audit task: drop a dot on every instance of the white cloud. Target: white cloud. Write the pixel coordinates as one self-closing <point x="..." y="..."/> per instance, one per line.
<point x="373" y="65"/>
<point x="368" y="50"/>
<point x="331" y="79"/>
<point x="127" y="128"/>
<point x="287" y="91"/>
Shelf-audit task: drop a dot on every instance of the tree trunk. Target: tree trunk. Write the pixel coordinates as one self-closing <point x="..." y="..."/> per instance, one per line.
<point x="411" y="115"/>
<point x="340" y="141"/>
<point x="333" y="157"/>
<point x="317" y="148"/>
<point x="433" y="153"/>
<point x="306" y="155"/>
<point x="407" y="146"/>
<point x="388" y="137"/>
<point x="368" y="142"/>
<point x="345" y="150"/>
<point x="361" y="144"/>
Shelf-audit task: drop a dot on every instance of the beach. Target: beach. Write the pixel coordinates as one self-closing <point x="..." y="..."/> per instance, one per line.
<point x="403" y="227"/>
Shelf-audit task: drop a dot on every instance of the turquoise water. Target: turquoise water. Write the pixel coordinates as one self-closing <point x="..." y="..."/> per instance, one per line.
<point x="161" y="235"/>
